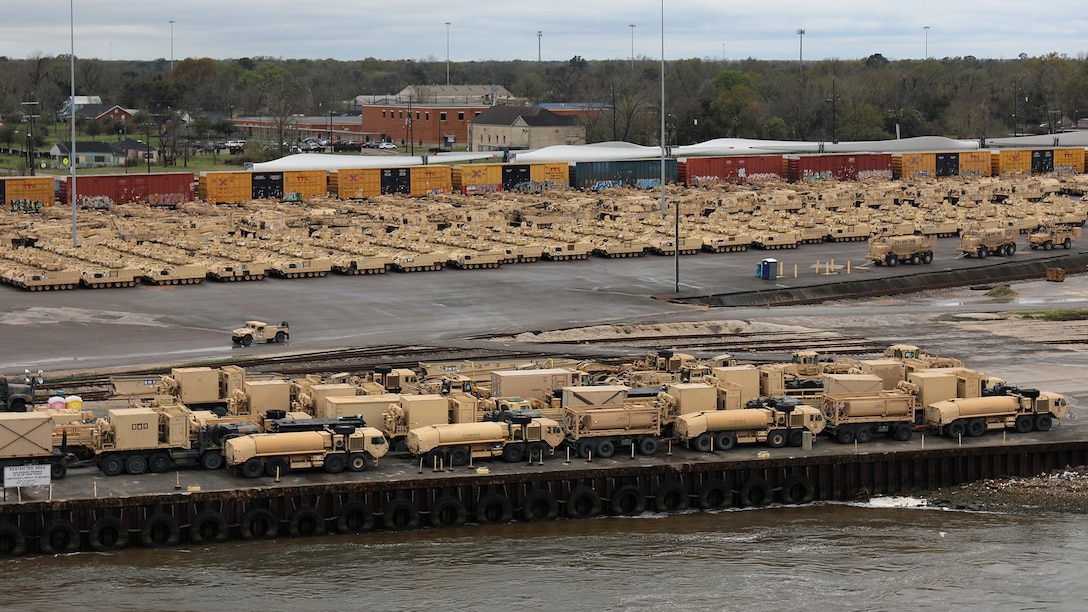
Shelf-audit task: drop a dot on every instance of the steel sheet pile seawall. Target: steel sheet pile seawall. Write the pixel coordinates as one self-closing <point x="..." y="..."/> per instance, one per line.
<point x="26" y="193"/>
<point x="368" y="501"/>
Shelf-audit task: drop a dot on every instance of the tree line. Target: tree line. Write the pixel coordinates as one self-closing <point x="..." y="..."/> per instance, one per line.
<point x="865" y="99"/>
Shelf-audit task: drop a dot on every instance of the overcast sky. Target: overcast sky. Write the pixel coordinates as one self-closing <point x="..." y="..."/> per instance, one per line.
<point x="507" y="29"/>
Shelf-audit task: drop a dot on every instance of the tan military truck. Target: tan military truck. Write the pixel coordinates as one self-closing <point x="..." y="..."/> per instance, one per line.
<point x="456" y="443"/>
<point x="1023" y="411"/>
<point x="1047" y="237"/>
<point x="602" y="429"/>
<point x="856" y="417"/>
<point x="891" y="250"/>
<point x="723" y="429"/>
<point x="259" y="331"/>
<point x="335" y="448"/>
<point x="26" y="438"/>
<point x="981" y="242"/>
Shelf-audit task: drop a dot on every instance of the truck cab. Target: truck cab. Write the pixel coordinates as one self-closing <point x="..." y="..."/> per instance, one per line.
<point x="15" y="397"/>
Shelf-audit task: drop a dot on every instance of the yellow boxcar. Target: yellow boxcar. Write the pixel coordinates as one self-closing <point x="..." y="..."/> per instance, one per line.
<point x="1011" y="161"/>
<point x="225" y="187"/>
<point x="976" y="163"/>
<point x="550" y="175"/>
<point x="355" y="183"/>
<point x="27" y="193"/>
<point x="305" y="184"/>
<point x="477" y="178"/>
<point x="1069" y="160"/>
<point x="430" y="179"/>
<point x="911" y="165"/>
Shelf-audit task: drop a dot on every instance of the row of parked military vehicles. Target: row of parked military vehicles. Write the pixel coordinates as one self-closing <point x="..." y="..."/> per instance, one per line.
<point x="265" y="425"/>
<point x="892" y="249"/>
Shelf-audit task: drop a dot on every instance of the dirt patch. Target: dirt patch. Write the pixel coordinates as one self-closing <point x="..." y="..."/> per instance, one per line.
<point x="1064" y="490"/>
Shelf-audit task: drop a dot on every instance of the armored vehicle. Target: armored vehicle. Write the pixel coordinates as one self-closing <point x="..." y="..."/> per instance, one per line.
<point x="988" y="241"/>
<point x="1047" y="237"/>
<point x="259" y="331"/>
<point x="893" y="249"/>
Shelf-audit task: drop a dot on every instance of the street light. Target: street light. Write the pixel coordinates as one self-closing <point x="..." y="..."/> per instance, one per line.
<point x="171" y="45"/>
<point x="926" y="28"/>
<point x="72" y="115"/>
<point x="632" y="26"/>
<point x="538" y="35"/>
<point x="801" y="49"/>
<point x="447" y="54"/>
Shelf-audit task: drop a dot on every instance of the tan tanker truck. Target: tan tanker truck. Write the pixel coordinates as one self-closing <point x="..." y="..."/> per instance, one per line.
<point x="600" y="430"/>
<point x="1025" y="411"/>
<point x="857" y="416"/>
<point x="342" y="446"/>
<point x="457" y="443"/>
<point x="891" y="250"/>
<point x="724" y="429"/>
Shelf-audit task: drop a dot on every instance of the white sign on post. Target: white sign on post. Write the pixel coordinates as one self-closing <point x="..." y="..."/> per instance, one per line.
<point x="27" y="476"/>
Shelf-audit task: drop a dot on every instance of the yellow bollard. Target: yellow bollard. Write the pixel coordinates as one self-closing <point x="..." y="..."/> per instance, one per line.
<point x="781" y="269"/>
<point x="923" y="441"/>
<point x="568" y="456"/>
<point x="795" y="270"/>
<point x="817" y="266"/>
<point x="420" y="466"/>
<point x="961" y="439"/>
<point x="96" y="490"/>
<point x="632" y="450"/>
<point x="848" y="267"/>
<point x="831" y="267"/>
<point x="669" y="453"/>
<point x="589" y="457"/>
<point x="50" y="492"/>
<point x="277" y="473"/>
<point x="177" y="481"/>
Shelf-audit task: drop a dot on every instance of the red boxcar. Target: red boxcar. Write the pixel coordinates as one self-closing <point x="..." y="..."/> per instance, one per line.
<point x="105" y="190"/>
<point x="732" y="169"/>
<point x="839" y="166"/>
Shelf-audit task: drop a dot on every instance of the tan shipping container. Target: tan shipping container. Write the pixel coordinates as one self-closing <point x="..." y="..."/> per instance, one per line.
<point x="694" y="397"/>
<point x="25" y="434"/>
<point x="265" y="395"/>
<point x="370" y="407"/>
<point x="934" y="385"/>
<point x="852" y="383"/>
<point x="594" y="395"/>
<point x="134" y="428"/>
<point x="199" y="385"/>
<point x="532" y="384"/>
<point x="423" y="410"/>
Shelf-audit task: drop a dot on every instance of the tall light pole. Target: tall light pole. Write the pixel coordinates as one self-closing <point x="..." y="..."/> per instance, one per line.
<point x="926" y="28"/>
<point x="632" y="26"/>
<point x="72" y="117"/>
<point x="538" y="35"/>
<point x="723" y="52"/>
<point x="171" y="45"/>
<point x="447" y="54"/>
<point x="801" y="49"/>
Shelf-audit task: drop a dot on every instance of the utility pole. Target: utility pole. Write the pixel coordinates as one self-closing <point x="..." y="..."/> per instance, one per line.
<point x="538" y="35"/>
<point x="447" y="54"/>
<point x="171" y="46"/>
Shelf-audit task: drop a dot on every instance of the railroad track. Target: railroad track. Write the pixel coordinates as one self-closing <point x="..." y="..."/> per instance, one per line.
<point x="96" y="387"/>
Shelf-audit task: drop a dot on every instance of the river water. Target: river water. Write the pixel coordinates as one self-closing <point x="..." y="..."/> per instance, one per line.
<point x="885" y="555"/>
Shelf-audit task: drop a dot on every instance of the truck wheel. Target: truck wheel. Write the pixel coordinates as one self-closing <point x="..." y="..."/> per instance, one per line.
<point x="956" y="429"/>
<point x="1011" y="249"/>
<point x="776" y="438"/>
<point x="585" y="447"/>
<point x="647" y="446"/>
<point x="280" y="337"/>
<point x="334" y="463"/>
<point x="435" y="459"/>
<point x="1067" y="243"/>
<point x="976" y="427"/>
<point x="1048" y="245"/>
<point x="981" y="252"/>
<point x="725" y="441"/>
<point x="252" y="468"/>
<point x="891" y="260"/>
<point x="357" y="462"/>
<point x="796" y="437"/>
<point x="17" y="405"/>
<point x="247" y="340"/>
<point x="136" y="464"/>
<point x="211" y="460"/>
<point x="902" y="433"/>
<point x="111" y="465"/>
<point x="276" y="466"/>
<point x="605" y="449"/>
<point x="513" y="453"/>
<point x="1024" y="423"/>
<point x="57" y="470"/>
<point x="863" y="435"/>
<point x="704" y="443"/>
<point x="915" y="259"/>
<point x="1043" y="422"/>
<point x="927" y="257"/>
<point x="459" y="456"/>
<point x="845" y="435"/>
<point x="158" y="463"/>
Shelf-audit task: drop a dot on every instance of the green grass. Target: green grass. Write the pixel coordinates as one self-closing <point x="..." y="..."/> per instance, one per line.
<point x="1056" y="315"/>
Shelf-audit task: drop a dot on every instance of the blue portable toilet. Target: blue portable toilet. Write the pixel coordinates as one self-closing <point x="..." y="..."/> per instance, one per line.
<point x="767" y="269"/>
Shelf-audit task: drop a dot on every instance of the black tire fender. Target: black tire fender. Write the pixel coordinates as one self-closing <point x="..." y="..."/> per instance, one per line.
<point x="494" y="508"/>
<point x="208" y="526"/>
<point x="448" y="512"/>
<point x="628" y="500"/>
<point x="400" y="515"/>
<point x="108" y="533"/>
<point x="797" y="489"/>
<point x="715" y="493"/>
<point x="305" y="522"/>
<point x="756" y="491"/>
<point x="670" y="497"/>
<point x="583" y="502"/>
<point x="258" y="524"/>
<point x="539" y="505"/>
<point x="59" y="536"/>
<point x="12" y="540"/>
<point x="354" y="517"/>
<point x="160" y="529"/>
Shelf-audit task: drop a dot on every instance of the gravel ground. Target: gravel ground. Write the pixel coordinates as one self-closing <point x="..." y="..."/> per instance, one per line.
<point x="1064" y="490"/>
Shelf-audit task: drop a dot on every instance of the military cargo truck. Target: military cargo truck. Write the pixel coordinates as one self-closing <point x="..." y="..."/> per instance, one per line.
<point x="259" y="331"/>
<point x="1047" y="237"/>
<point x="275" y="454"/>
<point x="891" y="250"/>
<point x="600" y="430"/>
<point x="857" y="416"/>
<point x="457" y="443"/>
<point x="27" y="439"/>
<point x="15" y="397"/>
<point x="981" y="242"/>
<point x="776" y="425"/>
<point x="1022" y="410"/>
